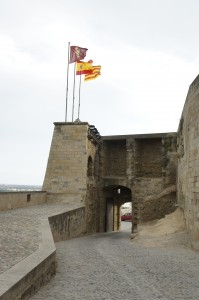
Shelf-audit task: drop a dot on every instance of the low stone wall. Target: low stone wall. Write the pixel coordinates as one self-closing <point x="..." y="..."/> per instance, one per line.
<point x="10" y="200"/>
<point x="68" y="225"/>
<point x="25" y="278"/>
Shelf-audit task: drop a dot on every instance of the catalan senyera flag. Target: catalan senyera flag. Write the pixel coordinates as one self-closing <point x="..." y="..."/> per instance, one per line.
<point x="84" y="67"/>
<point x="95" y="73"/>
<point x="77" y="53"/>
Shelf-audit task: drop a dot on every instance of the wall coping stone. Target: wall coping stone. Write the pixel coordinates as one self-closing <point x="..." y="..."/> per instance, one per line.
<point x="70" y="123"/>
<point x="26" y="277"/>
<point x="138" y="136"/>
<point x="22" y="192"/>
<point x="11" y="281"/>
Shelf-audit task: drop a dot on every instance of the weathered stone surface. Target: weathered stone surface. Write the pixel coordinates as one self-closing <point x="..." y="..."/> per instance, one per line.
<point x="10" y="200"/>
<point x="72" y="169"/>
<point x="27" y="253"/>
<point x="188" y="162"/>
<point x="102" y="174"/>
<point x="68" y="224"/>
<point x="145" y="165"/>
<point x="67" y="163"/>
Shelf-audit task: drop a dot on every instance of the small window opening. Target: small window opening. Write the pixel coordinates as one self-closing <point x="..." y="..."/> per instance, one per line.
<point x="90" y="167"/>
<point x="28" y="197"/>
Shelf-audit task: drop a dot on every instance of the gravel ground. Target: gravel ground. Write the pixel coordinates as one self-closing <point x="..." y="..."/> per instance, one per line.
<point x="20" y="231"/>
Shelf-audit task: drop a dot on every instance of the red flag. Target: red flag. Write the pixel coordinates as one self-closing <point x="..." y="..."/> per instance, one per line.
<point x="77" y="53"/>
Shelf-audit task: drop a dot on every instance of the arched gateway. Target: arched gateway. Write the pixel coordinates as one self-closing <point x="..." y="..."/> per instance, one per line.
<point x="102" y="172"/>
<point x="115" y="196"/>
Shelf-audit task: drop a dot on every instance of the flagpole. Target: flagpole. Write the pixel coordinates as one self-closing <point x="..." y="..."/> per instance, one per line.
<point x="79" y="95"/>
<point x="67" y="82"/>
<point x="73" y="93"/>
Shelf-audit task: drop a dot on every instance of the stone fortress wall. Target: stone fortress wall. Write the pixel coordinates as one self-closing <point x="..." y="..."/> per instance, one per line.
<point x="103" y="172"/>
<point x="90" y="170"/>
<point x="67" y="164"/>
<point x="141" y="167"/>
<point x="188" y="162"/>
<point x="98" y="174"/>
<point x="155" y="176"/>
<point x="72" y="170"/>
<point x="12" y="200"/>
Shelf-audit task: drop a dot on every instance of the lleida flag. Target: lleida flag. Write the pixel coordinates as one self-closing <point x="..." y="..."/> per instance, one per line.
<point x="77" y="53"/>
<point x="84" y="67"/>
<point x="95" y="73"/>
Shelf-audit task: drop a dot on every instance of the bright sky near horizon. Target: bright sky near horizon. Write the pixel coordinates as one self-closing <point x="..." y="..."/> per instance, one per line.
<point x="149" y="53"/>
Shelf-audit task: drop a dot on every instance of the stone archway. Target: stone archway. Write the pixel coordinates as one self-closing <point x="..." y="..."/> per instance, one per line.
<point x="115" y="196"/>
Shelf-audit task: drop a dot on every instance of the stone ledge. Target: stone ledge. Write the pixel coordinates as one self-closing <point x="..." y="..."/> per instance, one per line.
<point x="19" y="199"/>
<point x="71" y="123"/>
<point x="26" y="277"/>
<point x="138" y="136"/>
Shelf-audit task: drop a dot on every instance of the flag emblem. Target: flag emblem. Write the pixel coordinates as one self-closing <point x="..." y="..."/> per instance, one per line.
<point x="84" y="67"/>
<point x="77" y="53"/>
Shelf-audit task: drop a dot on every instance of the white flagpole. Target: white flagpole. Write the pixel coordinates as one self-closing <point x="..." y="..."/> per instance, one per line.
<point x="73" y="92"/>
<point x="79" y="96"/>
<point x="67" y="82"/>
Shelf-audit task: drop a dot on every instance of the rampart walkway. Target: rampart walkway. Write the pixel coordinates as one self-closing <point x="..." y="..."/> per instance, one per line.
<point x="111" y="266"/>
<point x="105" y="266"/>
<point x="20" y="231"/>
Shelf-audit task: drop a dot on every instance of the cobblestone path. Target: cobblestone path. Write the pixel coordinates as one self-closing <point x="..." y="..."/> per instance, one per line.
<point x="111" y="266"/>
<point x="20" y="231"/>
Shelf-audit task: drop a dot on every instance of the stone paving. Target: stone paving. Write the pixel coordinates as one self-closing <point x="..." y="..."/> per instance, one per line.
<point x="20" y="231"/>
<point x="111" y="266"/>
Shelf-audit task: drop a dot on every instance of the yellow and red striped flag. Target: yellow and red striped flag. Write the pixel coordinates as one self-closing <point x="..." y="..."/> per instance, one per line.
<point x="83" y="67"/>
<point x="95" y="73"/>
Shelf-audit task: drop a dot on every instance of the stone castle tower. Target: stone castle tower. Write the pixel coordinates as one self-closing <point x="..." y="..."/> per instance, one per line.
<point x="71" y="165"/>
<point x="103" y="172"/>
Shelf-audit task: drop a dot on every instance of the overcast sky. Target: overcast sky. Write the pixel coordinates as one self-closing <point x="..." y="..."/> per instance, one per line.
<point x="149" y="53"/>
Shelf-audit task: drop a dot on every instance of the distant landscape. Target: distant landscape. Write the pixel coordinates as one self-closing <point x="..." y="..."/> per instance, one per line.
<point x="17" y="188"/>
